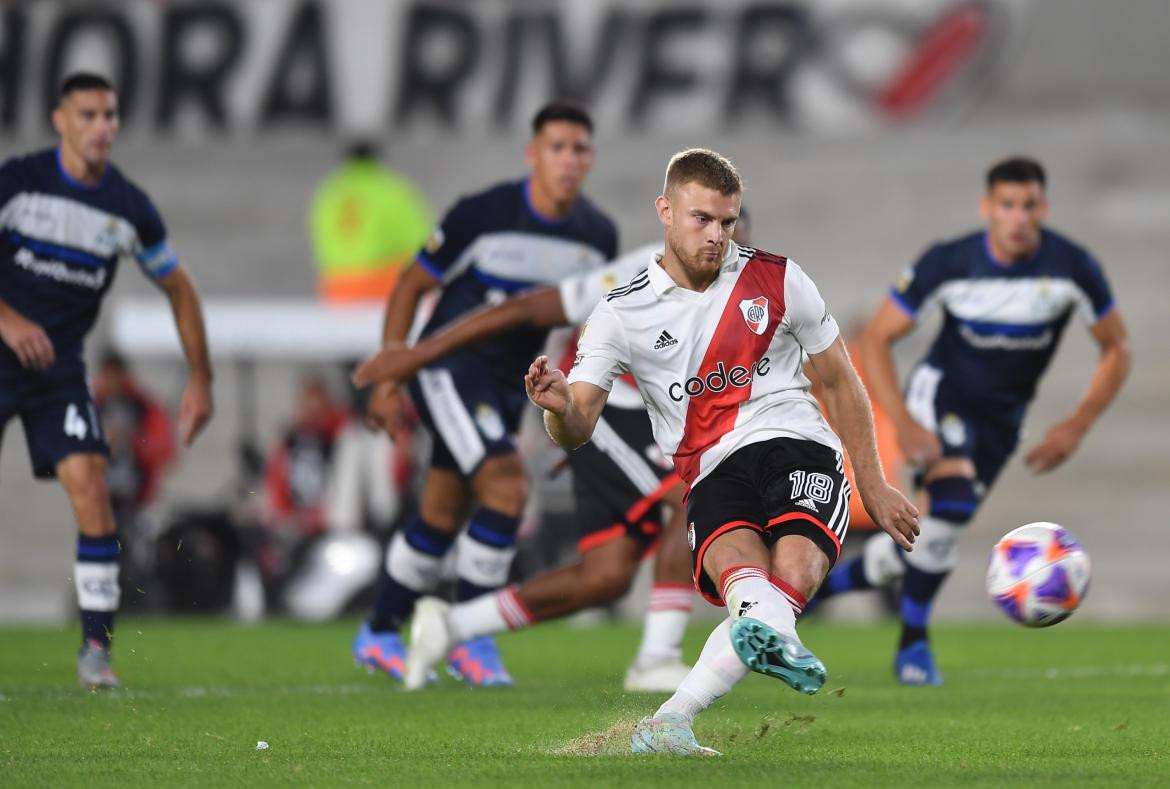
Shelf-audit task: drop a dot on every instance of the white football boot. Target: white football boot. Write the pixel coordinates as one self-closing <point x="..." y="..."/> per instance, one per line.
<point x="668" y="733"/>
<point x="430" y="640"/>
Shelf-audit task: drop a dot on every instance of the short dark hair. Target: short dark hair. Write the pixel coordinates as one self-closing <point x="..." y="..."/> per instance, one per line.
<point x="561" y="111"/>
<point x="1016" y="170"/>
<point x="84" y="80"/>
<point x="704" y="167"/>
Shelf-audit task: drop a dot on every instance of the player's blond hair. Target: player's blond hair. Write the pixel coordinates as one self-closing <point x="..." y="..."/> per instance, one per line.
<point x="704" y="167"/>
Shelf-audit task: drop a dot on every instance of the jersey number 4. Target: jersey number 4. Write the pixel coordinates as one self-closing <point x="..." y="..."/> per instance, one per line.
<point x="75" y="424"/>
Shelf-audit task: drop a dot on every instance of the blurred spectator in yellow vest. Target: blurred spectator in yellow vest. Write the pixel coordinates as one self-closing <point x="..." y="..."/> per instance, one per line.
<point x="366" y="223"/>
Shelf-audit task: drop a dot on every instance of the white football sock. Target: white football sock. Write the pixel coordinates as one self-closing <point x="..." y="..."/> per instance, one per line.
<point x="666" y="622"/>
<point x="486" y="614"/>
<point x="748" y="591"/>
<point x="715" y="673"/>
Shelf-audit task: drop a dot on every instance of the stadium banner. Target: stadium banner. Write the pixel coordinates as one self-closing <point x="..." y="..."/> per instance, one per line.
<point x="206" y="68"/>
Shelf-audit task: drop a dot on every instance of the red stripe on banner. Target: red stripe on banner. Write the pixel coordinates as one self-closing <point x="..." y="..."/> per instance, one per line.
<point x="711" y="415"/>
<point x="942" y="51"/>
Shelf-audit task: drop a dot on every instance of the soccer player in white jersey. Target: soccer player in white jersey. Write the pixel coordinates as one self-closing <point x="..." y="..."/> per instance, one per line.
<point x="618" y="486"/>
<point x="767" y="496"/>
<point x="68" y="216"/>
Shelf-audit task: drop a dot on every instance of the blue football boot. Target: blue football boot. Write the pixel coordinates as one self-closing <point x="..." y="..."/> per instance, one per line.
<point x="914" y="665"/>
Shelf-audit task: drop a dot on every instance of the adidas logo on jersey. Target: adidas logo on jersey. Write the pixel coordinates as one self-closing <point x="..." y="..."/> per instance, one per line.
<point x="807" y="503"/>
<point x="664" y="341"/>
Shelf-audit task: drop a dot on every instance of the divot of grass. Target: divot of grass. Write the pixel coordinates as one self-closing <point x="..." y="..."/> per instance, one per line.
<point x="614" y="740"/>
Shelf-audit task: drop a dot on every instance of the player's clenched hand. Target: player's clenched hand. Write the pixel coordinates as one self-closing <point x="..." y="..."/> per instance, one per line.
<point x="919" y="445"/>
<point x="384" y="411"/>
<point x="27" y="340"/>
<point x="1059" y="442"/>
<point x="195" y="409"/>
<point x="893" y="513"/>
<point x="547" y="387"/>
<point x="392" y="363"/>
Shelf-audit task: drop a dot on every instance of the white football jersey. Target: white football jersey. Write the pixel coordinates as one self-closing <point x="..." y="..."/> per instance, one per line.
<point x="582" y="292"/>
<point x="719" y="369"/>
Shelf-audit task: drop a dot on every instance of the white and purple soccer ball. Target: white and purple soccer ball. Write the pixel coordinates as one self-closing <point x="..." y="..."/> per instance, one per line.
<point x="1039" y="574"/>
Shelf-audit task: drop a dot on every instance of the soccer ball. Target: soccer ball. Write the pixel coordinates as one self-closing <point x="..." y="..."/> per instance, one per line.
<point x="1039" y="574"/>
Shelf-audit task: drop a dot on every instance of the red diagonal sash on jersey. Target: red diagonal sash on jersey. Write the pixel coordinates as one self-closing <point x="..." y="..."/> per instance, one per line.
<point x="711" y="415"/>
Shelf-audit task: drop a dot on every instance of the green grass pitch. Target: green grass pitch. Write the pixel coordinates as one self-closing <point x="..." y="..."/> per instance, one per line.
<point x="1079" y="704"/>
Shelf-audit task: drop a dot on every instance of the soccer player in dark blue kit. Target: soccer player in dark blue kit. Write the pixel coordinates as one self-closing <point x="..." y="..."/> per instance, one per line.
<point x="489" y="246"/>
<point x="1007" y="293"/>
<point x="67" y="217"/>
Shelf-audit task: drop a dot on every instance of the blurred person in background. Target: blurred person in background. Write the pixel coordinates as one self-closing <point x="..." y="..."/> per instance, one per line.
<point x="139" y="434"/>
<point x="299" y="465"/>
<point x="511" y="237"/>
<point x="1007" y="293"/>
<point x="67" y="218"/>
<point x="366" y="222"/>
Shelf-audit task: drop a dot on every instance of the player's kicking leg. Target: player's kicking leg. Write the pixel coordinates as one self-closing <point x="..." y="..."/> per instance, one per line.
<point x="761" y="549"/>
<point x="95" y="572"/>
<point x="760" y="633"/>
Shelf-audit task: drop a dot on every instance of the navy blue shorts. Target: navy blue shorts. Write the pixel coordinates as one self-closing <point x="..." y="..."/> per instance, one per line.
<point x="469" y="416"/>
<point x="985" y="433"/>
<point x="57" y="410"/>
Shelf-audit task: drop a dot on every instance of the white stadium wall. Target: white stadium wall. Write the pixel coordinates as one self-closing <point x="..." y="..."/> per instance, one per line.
<point x="862" y="128"/>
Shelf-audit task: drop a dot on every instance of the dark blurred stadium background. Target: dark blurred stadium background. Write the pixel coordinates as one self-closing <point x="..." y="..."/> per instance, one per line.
<point x="863" y="129"/>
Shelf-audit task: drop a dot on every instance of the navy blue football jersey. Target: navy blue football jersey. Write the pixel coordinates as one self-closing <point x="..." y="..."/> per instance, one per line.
<point x="1002" y="322"/>
<point x="493" y="245"/>
<point x="61" y="242"/>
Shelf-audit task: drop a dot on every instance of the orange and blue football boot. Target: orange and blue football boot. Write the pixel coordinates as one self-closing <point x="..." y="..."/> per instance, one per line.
<point x="477" y="662"/>
<point x="380" y="652"/>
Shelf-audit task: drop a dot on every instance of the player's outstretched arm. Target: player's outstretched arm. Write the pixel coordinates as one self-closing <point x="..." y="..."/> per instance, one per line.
<point x="570" y="412"/>
<point x="918" y="444"/>
<point x="196" y="405"/>
<point x="848" y="408"/>
<point x="541" y="308"/>
<point x="1062" y="439"/>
